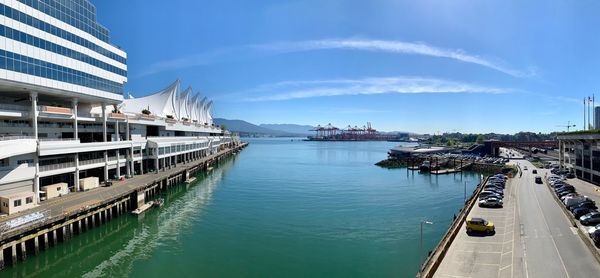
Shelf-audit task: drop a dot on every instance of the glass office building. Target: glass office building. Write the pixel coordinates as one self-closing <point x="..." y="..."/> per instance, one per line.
<point x="58" y="44"/>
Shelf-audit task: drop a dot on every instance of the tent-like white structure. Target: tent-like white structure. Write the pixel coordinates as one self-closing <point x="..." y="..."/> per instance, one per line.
<point x="162" y="103"/>
<point x="170" y="102"/>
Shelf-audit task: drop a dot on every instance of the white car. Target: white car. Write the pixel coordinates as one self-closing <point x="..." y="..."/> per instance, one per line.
<point x="591" y="230"/>
<point x="525" y="168"/>
<point x="491" y="202"/>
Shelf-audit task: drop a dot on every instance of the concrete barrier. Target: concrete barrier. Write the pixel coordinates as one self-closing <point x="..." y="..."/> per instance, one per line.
<point x="433" y="261"/>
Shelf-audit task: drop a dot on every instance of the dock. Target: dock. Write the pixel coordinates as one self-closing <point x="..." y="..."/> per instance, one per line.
<point x="27" y="232"/>
<point x="143" y="208"/>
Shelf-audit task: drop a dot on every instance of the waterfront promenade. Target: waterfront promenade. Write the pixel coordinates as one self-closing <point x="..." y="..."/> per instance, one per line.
<point x="534" y="238"/>
<point x="76" y="202"/>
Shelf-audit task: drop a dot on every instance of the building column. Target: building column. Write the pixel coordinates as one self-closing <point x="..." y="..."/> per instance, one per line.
<point x="118" y="165"/>
<point x="105" y="166"/>
<point x="77" y="188"/>
<point x="75" y="127"/>
<point x="34" y="123"/>
<point x="104" y="122"/>
<point x="156" y="165"/>
<point x="117" y="137"/>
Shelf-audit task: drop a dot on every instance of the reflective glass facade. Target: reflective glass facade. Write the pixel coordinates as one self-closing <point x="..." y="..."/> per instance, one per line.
<point x="52" y="47"/>
<point x="49" y="28"/>
<point x="80" y="14"/>
<point x="27" y="65"/>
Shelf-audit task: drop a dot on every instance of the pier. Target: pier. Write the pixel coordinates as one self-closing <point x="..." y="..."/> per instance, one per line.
<point x="62" y="218"/>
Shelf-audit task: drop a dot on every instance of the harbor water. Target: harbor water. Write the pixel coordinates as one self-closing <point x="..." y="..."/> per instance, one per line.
<point x="280" y="208"/>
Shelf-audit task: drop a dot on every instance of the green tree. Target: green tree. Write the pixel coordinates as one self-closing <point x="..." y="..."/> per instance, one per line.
<point x="480" y="139"/>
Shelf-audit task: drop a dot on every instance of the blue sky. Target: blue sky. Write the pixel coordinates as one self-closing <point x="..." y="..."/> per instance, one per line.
<point x="421" y="66"/>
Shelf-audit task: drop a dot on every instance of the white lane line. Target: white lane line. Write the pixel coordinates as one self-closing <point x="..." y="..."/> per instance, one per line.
<point x="552" y="238"/>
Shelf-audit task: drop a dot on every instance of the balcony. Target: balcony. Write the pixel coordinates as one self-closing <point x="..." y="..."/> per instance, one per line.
<point x="55" y="110"/>
<point x="117" y="116"/>
<point x="57" y="166"/>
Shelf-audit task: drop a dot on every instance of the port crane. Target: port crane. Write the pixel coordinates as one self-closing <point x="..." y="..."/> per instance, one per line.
<point x="568" y="125"/>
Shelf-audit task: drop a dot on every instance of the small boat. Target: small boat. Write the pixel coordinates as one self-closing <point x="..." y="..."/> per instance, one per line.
<point x="159" y="202"/>
<point x="143" y="208"/>
<point x="425" y="166"/>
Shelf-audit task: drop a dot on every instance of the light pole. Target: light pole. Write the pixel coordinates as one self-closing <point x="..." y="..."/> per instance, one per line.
<point x="421" y="246"/>
<point x="465" y="192"/>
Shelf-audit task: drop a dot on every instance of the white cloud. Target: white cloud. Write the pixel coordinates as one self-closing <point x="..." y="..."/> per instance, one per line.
<point x="368" y="86"/>
<point x="395" y="47"/>
<point x="415" y="48"/>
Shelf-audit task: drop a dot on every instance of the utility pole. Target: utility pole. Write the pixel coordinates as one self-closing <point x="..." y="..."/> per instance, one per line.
<point x="584" y="123"/>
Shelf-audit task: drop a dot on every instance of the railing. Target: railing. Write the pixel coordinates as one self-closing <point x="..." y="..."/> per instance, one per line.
<point x="15" y="107"/>
<point x="91" y="161"/>
<point x="56" y="166"/>
<point x="54" y="109"/>
<point x="112" y="158"/>
<point x="57" y="139"/>
<point x="15" y="137"/>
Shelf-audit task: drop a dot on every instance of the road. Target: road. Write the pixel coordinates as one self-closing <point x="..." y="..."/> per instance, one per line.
<point x="534" y="238"/>
<point x="550" y="244"/>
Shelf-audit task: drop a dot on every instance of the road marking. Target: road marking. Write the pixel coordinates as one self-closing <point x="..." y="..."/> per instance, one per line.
<point x="552" y="238"/>
<point x="505" y="267"/>
<point x="475" y="251"/>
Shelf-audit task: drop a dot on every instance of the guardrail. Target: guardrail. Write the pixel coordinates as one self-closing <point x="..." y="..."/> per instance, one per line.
<point x="91" y="161"/>
<point x="57" y="166"/>
<point x="428" y="268"/>
<point x="15" y="137"/>
<point x="14" y="107"/>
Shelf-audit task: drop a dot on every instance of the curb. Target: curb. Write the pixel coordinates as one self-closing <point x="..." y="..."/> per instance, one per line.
<point x="584" y="237"/>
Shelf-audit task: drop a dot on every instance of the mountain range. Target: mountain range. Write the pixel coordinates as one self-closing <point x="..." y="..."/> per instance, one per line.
<point x="275" y="130"/>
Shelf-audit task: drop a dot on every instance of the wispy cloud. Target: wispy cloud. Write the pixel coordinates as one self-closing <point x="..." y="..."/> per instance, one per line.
<point x="400" y="47"/>
<point x="289" y="90"/>
<point x="386" y="46"/>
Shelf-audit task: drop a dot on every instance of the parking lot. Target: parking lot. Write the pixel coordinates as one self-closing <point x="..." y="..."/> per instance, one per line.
<point x="480" y="255"/>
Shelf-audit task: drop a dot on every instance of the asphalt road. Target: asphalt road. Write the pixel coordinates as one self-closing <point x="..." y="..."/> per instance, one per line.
<point x="534" y="238"/>
<point x="551" y="246"/>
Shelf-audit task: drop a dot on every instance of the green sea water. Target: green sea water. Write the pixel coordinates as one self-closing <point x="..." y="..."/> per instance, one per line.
<point x="280" y="208"/>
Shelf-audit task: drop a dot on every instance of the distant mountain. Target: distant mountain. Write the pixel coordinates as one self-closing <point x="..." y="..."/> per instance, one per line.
<point x="247" y="129"/>
<point x="290" y="128"/>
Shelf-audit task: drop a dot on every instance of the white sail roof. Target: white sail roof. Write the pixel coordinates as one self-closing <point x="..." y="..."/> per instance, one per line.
<point x="161" y="103"/>
<point x="183" y="103"/>
<point x="208" y="112"/>
<point x="193" y="107"/>
<point x="201" y="118"/>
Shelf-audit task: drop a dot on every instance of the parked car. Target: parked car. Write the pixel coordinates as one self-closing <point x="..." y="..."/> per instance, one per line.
<point x="591" y="218"/>
<point x="491" y="202"/>
<point x="579" y="212"/>
<point x="499" y="192"/>
<point x="596" y="237"/>
<point x="485" y="195"/>
<point x="575" y="201"/>
<point x="565" y="193"/>
<point x="593" y="229"/>
<point x="477" y="224"/>
<point x="584" y="204"/>
<point x="569" y="196"/>
<point x="564" y="187"/>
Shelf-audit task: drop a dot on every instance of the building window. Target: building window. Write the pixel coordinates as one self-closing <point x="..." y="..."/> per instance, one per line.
<point x="17" y="203"/>
<point x="28" y="200"/>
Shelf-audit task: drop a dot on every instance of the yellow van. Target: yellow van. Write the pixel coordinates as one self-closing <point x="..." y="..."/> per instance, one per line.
<point x="480" y="225"/>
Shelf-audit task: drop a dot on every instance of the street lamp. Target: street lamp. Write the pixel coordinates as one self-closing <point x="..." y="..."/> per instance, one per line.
<point x="421" y="246"/>
<point x="465" y="192"/>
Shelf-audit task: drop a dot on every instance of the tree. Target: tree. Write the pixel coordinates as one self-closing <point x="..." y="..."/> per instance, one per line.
<point x="480" y="139"/>
<point x="223" y="127"/>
